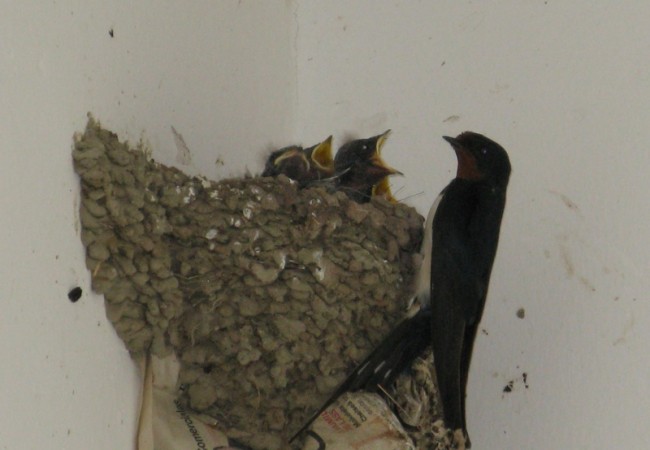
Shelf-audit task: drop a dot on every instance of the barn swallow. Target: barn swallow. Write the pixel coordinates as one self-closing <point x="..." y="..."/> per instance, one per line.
<point x="460" y="241"/>
<point x="302" y="165"/>
<point x="359" y="167"/>
<point x="289" y="161"/>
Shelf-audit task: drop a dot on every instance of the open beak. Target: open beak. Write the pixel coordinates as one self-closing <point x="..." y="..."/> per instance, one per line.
<point x="379" y="169"/>
<point x="376" y="159"/>
<point x="322" y="155"/>
<point x="381" y="140"/>
<point x="382" y="189"/>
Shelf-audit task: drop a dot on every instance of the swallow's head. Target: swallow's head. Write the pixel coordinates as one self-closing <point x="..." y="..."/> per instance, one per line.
<point x="480" y="158"/>
<point x="286" y="154"/>
<point x="289" y="161"/>
<point x="360" y="151"/>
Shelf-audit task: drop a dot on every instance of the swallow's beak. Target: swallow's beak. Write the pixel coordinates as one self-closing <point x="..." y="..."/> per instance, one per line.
<point x="452" y="141"/>
<point x="380" y="169"/>
<point x="382" y="189"/>
<point x="378" y="163"/>
<point x="322" y="155"/>
<point x="381" y="140"/>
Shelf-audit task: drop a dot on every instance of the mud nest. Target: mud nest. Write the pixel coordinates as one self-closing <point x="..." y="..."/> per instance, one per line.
<point x="269" y="295"/>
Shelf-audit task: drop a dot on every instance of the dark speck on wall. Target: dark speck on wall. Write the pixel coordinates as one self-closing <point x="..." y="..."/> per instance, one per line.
<point x="111" y="33"/>
<point x="521" y="313"/>
<point x="75" y="294"/>
<point x="510" y="386"/>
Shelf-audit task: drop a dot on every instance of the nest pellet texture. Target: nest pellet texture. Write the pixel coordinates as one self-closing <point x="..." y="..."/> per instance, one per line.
<point x="268" y="294"/>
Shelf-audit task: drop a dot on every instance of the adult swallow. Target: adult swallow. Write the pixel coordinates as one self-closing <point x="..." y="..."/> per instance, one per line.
<point x="359" y="167"/>
<point x="464" y="240"/>
<point x="460" y="242"/>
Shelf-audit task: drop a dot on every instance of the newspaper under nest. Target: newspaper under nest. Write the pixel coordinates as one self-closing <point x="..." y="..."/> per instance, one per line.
<point x="268" y="295"/>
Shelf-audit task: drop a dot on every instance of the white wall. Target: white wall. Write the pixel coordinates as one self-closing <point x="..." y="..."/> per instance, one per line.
<point x="564" y="86"/>
<point x="221" y="73"/>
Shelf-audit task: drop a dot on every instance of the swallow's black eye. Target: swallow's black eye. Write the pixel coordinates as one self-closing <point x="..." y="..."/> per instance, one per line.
<point x="484" y="151"/>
